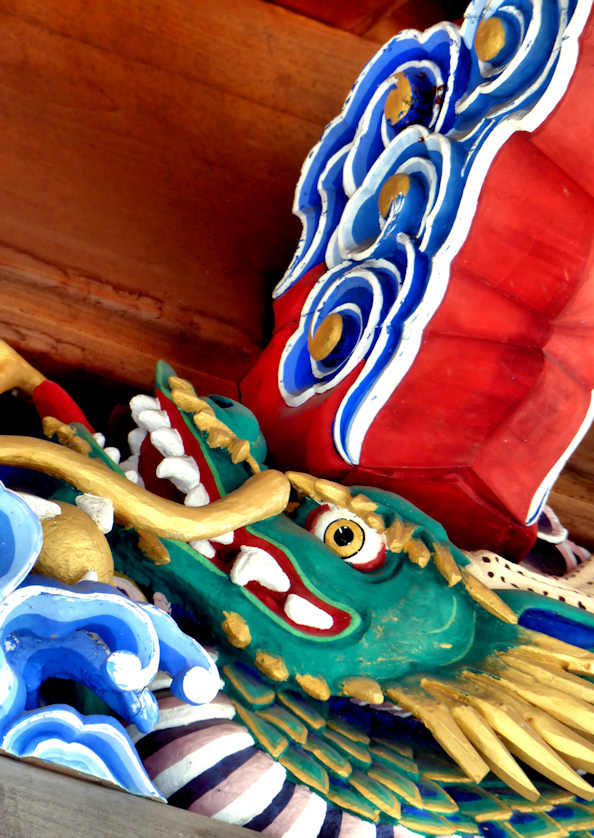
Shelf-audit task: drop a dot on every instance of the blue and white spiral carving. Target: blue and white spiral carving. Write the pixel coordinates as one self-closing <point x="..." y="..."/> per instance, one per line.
<point x="92" y="635"/>
<point x="461" y="110"/>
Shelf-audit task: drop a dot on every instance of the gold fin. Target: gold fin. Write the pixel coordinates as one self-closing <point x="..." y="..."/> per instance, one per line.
<point x="332" y="492"/>
<point x="315" y="686"/>
<point x="153" y="548"/>
<point x="445" y="563"/>
<point x="487" y="598"/>
<point x="550" y="676"/>
<point x="363" y="689"/>
<point x="562" y="706"/>
<point x="374" y="521"/>
<point x="418" y="552"/>
<point x="237" y="630"/>
<point x="552" y="651"/>
<point x="363" y="505"/>
<point x="273" y="666"/>
<point x="399" y="534"/>
<point x="485" y="740"/>
<point x="301" y="482"/>
<point x="437" y="718"/>
<point x="505" y="717"/>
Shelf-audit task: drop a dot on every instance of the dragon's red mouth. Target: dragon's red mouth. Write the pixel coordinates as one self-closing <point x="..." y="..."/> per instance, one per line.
<point x="172" y="464"/>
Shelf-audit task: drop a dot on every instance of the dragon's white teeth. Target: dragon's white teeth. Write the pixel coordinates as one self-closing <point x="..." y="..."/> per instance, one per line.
<point x="256" y="565"/>
<point x="151" y="420"/>
<point x="198" y="496"/>
<point x="168" y="442"/>
<point x="113" y="453"/>
<point x="44" y="509"/>
<point x="225" y="538"/>
<point x="99" y="439"/>
<point x="130" y="464"/>
<point x="204" y="547"/>
<point x="142" y="402"/>
<point x="135" y="439"/>
<point x="304" y="613"/>
<point x="182" y="471"/>
<point x="134" y="477"/>
<point x="98" y="508"/>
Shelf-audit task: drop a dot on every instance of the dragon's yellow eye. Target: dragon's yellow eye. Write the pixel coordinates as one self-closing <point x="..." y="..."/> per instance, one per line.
<point x="348" y="536"/>
<point x="344" y="537"/>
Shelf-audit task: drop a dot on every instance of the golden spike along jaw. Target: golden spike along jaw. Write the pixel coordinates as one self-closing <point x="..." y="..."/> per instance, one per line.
<point x="363" y="689"/>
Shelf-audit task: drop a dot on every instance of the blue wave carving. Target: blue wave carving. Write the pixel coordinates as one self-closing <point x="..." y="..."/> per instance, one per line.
<point x="95" y="636"/>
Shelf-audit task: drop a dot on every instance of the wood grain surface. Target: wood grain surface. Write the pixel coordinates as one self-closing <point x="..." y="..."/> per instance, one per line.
<point x="37" y="802"/>
<point x="149" y="155"/>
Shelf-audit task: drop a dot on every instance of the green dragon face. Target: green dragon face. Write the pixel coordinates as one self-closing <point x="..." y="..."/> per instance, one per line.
<point x="340" y="597"/>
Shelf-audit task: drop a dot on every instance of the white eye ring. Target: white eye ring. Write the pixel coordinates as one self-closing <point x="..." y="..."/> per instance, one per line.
<point x="347" y="535"/>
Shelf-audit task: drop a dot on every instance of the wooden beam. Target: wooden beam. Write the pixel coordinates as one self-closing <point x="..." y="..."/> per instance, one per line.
<point x="149" y="157"/>
<point x="35" y="801"/>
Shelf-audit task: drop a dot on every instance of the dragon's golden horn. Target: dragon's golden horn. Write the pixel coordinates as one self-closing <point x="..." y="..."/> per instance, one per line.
<point x="263" y="495"/>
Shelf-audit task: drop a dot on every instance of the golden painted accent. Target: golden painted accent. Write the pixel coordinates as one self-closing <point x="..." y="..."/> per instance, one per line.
<point x="364" y="785"/>
<point x="497" y="756"/>
<point x="396" y="186"/>
<point x="236" y="629"/>
<point x="72" y="546"/>
<point x="315" y="686"/>
<point x="445" y="563"/>
<point x="295" y="768"/>
<point x="66" y="434"/>
<point x="437" y="718"/>
<point x="363" y="689"/>
<point x="351" y="732"/>
<point x="489" y="39"/>
<point x="505" y="715"/>
<point x="363" y="505"/>
<point x="326" y="491"/>
<point x="261" y="496"/>
<point x="487" y="598"/>
<point x="180" y="384"/>
<point x="558" y="704"/>
<point x="326" y="337"/>
<point x="16" y="372"/>
<point x="399" y="99"/>
<point x="153" y="548"/>
<point x="220" y="436"/>
<point x="418" y="552"/>
<point x="551" y="677"/>
<point x="376" y="522"/>
<point x="399" y="534"/>
<point x="273" y="666"/>
<point x="553" y="652"/>
<point x="332" y="492"/>
<point x="190" y="403"/>
<point x="256" y="727"/>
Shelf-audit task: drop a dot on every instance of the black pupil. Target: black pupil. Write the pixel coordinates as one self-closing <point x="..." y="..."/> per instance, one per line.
<point x="343" y="536"/>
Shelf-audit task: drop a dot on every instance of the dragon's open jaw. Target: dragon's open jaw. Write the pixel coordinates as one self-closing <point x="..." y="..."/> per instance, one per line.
<point x="176" y="460"/>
